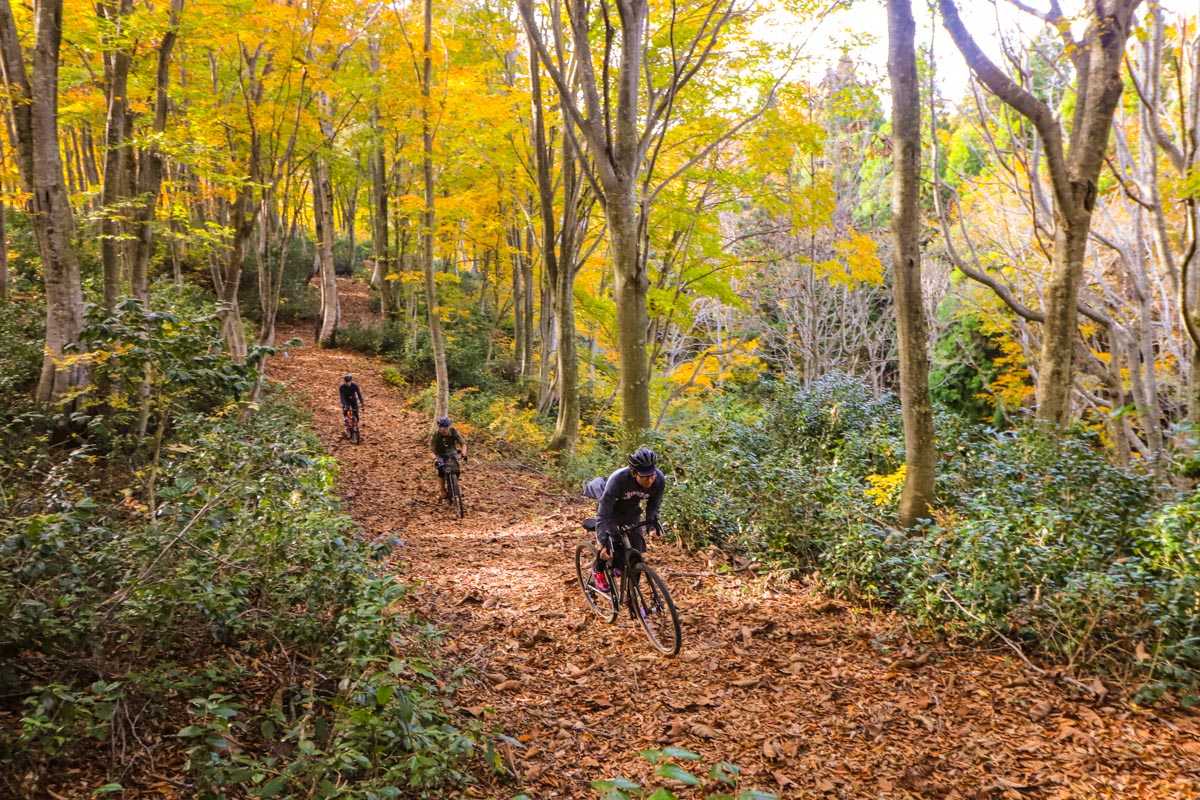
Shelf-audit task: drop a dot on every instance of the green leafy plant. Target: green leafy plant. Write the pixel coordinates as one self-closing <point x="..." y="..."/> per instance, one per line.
<point x="683" y="768"/>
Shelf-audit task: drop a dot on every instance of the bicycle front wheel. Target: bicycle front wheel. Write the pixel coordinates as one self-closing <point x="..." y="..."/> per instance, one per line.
<point x="602" y="603"/>
<point x="456" y="496"/>
<point x="355" y="434"/>
<point x="653" y="607"/>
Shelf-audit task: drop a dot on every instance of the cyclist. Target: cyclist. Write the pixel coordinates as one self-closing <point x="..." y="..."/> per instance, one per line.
<point x="351" y="396"/>
<point x="445" y="442"/>
<point x="621" y="506"/>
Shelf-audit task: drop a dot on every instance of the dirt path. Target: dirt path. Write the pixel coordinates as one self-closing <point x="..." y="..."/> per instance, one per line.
<point x="809" y="698"/>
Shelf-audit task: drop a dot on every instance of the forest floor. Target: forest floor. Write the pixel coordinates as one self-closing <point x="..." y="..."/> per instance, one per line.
<point x="811" y="698"/>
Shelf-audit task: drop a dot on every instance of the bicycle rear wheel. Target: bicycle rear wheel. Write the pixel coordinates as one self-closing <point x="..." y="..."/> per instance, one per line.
<point x="602" y="603"/>
<point x="652" y="605"/>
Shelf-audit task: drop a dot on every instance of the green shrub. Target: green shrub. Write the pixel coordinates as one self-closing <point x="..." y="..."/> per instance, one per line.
<point x="373" y="338"/>
<point x="23" y="332"/>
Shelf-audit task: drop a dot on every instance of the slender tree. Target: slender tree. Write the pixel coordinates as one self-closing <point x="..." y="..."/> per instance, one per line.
<point x="621" y="130"/>
<point x="919" y="455"/>
<point x="431" y="299"/>
<point x="34" y="103"/>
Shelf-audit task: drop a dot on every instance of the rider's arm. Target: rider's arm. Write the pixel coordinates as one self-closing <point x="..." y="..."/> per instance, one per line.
<point x="462" y="443"/>
<point x="656" y="496"/>
<point x="612" y="492"/>
<point x="361" y="400"/>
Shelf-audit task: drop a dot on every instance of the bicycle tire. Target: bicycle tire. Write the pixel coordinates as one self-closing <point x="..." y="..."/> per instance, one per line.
<point x="355" y="434"/>
<point x="651" y="604"/>
<point x="602" y="604"/>
<point x="456" y="496"/>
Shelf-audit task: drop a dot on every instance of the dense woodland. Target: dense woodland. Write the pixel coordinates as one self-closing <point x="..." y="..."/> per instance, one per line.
<point x="931" y="355"/>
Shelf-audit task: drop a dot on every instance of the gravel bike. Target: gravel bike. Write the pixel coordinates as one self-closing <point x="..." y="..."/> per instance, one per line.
<point x="351" y="424"/>
<point x="451" y="486"/>
<point x="633" y="584"/>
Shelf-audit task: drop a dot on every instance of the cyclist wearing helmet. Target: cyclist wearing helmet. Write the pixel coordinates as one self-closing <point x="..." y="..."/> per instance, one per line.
<point x="621" y="505"/>
<point x="351" y="395"/>
<point x="445" y="442"/>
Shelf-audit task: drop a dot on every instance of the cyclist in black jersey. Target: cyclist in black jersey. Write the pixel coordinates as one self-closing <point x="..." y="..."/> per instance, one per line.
<point x="351" y="395"/>
<point x="446" y="443"/>
<point x="621" y="505"/>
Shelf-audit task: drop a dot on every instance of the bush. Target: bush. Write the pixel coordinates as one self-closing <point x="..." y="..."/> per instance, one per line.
<point x="786" y="482"/>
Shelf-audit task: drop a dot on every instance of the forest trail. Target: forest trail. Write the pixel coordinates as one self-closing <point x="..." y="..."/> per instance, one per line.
<point x="810" y="698"/>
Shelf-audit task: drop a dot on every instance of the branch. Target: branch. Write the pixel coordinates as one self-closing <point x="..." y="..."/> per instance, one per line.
<point x="1013" y="95"/>
<point x="1016" y="648"/>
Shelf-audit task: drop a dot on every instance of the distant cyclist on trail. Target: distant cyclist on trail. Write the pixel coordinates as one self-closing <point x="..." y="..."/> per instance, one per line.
<point x="621" y="506"/>
<point x="351" y="395"/>
<point x="445" y="442"/>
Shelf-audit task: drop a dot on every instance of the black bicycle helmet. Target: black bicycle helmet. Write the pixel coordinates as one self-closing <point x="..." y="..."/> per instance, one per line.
<point x="347" y="377"/>
<point x="643" y="461"/>
<point x="443" y="422"/>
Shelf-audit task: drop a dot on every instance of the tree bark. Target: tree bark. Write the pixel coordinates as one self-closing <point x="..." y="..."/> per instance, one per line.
<point x="116" y="189"/>
<point x="379" y="223"/>
<point x="34" y="108"/>
<point x="150" y="166"/>
<point x="442" y="404"/>
<point x="330" y="314"/>
<point x="917" y="408"/>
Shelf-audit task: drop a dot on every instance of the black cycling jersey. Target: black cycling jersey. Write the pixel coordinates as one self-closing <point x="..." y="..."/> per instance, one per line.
<point x="621" y="503"/>
<point x="351" y="395"/>
<point x="445" y="444"/>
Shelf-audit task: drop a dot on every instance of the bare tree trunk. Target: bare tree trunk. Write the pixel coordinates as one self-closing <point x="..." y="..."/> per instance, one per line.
<point x="431" y="299"/>
<point x="379" y="225"/>
<point x="34" y="108"/>
<point x="520" y="345"/>
<point x="116" y="190"/>
<point x="330" y="313"/>
<point x="917" y="408"/>
<point x="3" y="252"/>
<point x="530" y="292"/>
<point x="150" y="169"/>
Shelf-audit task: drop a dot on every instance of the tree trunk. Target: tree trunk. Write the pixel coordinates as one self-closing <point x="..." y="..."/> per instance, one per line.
<point x="3" y="251"/>
<point x="518" y="290"/>
<point x="150" y="168"/>
<point x="34" y="109"/>
<point x="330" y="314"/>
<point x="116" y="189"/>
<point x="630" y="290"/>
<point x="379" y="225"/>
<point x="442" y="405"/>
<point x="915" y="403"/>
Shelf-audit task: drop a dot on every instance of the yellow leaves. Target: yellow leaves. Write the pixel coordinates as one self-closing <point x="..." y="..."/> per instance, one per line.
<point x="885" y="489"/>
<point x="716" y="366"/>
<point x="861" y="257"/>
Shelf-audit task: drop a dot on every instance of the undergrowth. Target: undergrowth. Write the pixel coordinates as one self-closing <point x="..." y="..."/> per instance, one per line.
<point x="196" y="592"/>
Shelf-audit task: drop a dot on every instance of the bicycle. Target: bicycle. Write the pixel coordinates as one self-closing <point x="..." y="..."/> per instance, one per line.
<point x="451" y="487"/>
<point x="632" y="583"/>
<point x="351" y="425"/>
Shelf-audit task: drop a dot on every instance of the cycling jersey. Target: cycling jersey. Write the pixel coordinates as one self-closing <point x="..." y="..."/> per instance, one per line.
<point x="351" y="395"/>
<point x="445" y="445"/>
<point x="621" y="503"/>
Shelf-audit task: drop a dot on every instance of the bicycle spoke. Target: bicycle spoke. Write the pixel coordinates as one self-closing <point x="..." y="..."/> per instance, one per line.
<point x="655" y="610"/>
<point x="602" y="603"/>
